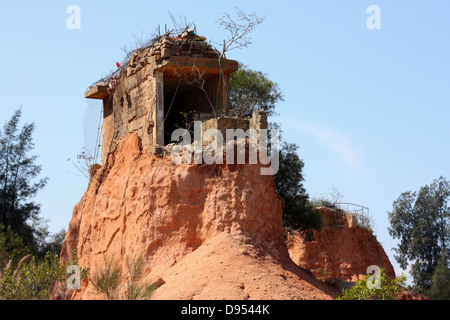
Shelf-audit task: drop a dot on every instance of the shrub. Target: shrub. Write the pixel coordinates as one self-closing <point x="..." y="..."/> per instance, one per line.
<point x="109" y="280"/>
<point x="135" y="288"/>
<point x="33" y="280"/>
<point x="365" y="221"/>
<point x="62" y="276"/>
<point x="387" y="289"/>
<point x="106" y="280"/>
<point x="330" y="200"/>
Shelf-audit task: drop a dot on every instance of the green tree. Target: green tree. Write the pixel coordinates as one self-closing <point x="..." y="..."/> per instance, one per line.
<point x="17" y="186"/>
<point x="12" y="246"/>
<point x="298" y="212"/>
<point x="440" y="281"/>
<point x="251" y="90"/>
<point x="420" y="220"/>
<point x="55" y="242"/>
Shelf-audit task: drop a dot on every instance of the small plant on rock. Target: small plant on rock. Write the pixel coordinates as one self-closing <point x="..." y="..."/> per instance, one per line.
<point x="109" y="280"/>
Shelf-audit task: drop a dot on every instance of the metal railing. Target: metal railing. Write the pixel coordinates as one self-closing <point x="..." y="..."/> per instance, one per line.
<point x="362" y="213"/>
<point x="354" y="208"/>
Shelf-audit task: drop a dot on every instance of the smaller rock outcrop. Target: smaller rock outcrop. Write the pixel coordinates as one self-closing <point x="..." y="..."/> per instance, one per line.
<point x="340" y="250"/>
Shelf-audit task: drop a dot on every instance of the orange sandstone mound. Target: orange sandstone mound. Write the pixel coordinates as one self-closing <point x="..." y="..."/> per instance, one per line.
<point x="209" y="232"/>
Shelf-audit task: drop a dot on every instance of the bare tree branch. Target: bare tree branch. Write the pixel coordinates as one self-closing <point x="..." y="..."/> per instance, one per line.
<point x="239" y="29"/>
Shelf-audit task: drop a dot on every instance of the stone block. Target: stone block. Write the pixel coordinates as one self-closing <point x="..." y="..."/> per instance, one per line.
<point x="166" y="53"/>
<point x="146" y="52"/>
<point x="167" y="40"/>
<point x="130" y="71"/>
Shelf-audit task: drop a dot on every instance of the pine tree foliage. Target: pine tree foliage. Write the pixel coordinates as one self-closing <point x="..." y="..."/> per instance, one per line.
<point x="18" y="184"/>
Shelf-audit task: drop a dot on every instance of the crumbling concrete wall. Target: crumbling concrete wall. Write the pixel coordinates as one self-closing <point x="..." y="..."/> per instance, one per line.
<point x="130" y="109"/>
<point x="257" y="122"/>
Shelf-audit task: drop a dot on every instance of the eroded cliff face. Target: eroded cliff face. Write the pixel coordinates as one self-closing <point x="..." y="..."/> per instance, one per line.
<point x="341" y="250"/>
<point x="210" y="232"/>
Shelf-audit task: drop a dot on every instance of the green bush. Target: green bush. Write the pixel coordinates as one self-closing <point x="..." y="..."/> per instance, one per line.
<point x="109" y="280"/>
<point x="33" y="280"/>
<point x="62" y="275"/>
<point x="387" y="289"/>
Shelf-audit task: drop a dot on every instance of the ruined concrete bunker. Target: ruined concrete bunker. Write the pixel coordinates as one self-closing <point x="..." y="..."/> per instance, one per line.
<point x="162" y="86"/>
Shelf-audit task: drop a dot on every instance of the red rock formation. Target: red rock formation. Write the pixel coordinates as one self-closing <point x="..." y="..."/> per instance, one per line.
<point x="341" y="250"/>
<point x="210" y="232"/>
<point x="409" y="295"/>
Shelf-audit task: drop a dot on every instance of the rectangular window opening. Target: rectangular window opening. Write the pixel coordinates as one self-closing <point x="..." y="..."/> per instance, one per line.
<point x="189" y="99"/>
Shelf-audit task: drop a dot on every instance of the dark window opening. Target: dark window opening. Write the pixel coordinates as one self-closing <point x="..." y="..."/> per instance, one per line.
<point x="185" y="102"/>
<point x="128" y="100"/>
<point x="107" y="106"/>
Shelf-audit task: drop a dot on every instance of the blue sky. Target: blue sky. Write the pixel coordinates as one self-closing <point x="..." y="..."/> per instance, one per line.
<point x="369" y="109"/>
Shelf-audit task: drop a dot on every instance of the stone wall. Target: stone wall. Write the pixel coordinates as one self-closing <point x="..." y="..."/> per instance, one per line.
<point x="130" y="109"/>
<point x="257" y="122"/>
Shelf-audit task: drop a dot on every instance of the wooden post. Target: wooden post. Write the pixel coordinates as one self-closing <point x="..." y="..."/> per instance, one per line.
<point x="225" y="85"/>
